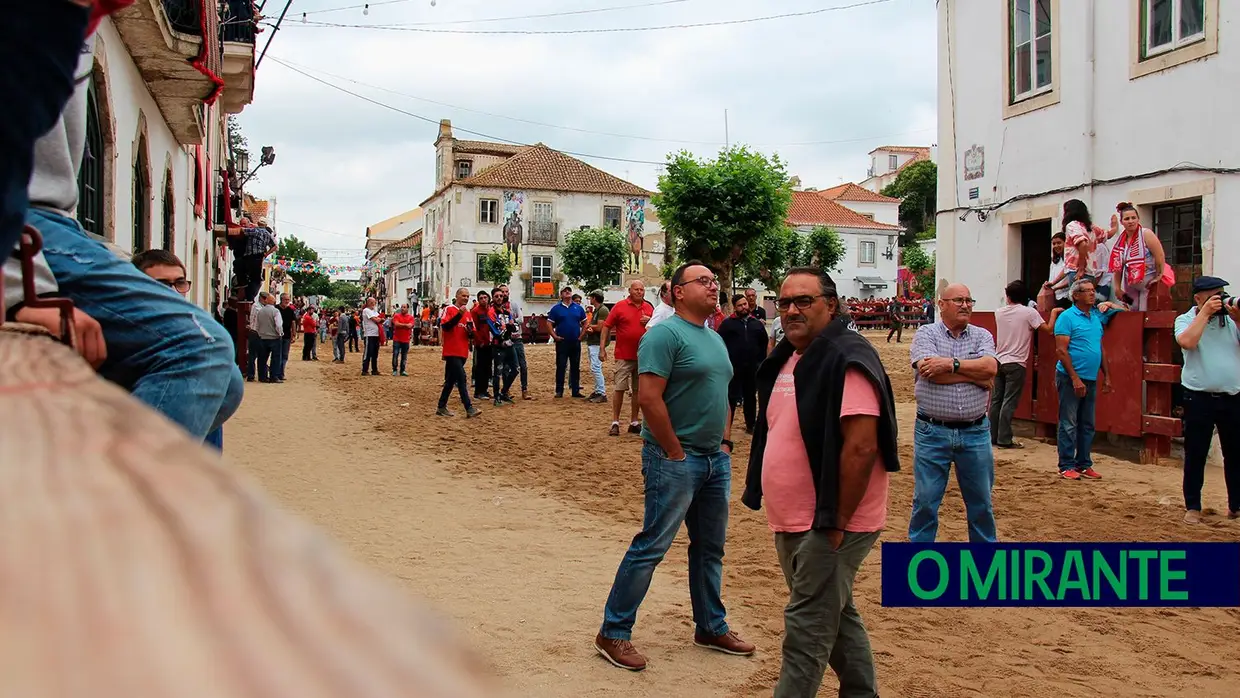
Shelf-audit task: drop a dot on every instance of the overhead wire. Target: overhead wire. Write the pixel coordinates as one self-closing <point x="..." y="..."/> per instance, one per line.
<point x="595" y="30"/>
<point x="482" y="20"/>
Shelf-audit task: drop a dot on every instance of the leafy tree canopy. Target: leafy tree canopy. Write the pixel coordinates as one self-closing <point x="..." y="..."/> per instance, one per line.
<point x="712" y="210"/>
<point x="769" y="257"/>
<point x="594" y="257"/>
<point x="916" y="186"/>
<point x="305" y="283"/>
<point x="497" y="267"/>
<point x="921" y="265"/>
<point x="346" y="292"/>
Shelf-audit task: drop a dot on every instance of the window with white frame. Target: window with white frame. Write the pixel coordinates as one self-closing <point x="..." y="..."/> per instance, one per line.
<point x="867" y="252"/>
<point x="540" y="268"/>
<point x="464" y="168"/>
<point x="611" y="216"/>
<point x="543" y="211"/>
<point x="893" y="161"/>
<point x="488" y="210"/>
<point x="1170" y="24"/>
<point x="1030" y="45"/>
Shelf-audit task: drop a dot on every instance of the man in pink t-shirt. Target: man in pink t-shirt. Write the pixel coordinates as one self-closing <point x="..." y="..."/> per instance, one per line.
<point x="825" y="489"/>
<point x="1015" y="325"/>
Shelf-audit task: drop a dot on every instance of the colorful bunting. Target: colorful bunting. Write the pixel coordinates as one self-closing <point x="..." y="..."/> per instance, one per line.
<point x="302" y="265"/>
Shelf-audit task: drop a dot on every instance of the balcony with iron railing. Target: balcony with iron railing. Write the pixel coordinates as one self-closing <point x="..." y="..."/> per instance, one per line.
<point x="175" y="45"/>
<point x="544" y="233"/>
<point x="238" y="27"/>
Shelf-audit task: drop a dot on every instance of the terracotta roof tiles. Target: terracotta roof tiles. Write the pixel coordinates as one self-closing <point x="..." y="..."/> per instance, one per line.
<point x="852" y="192"/>
<point x="809" y="208"/>
<point x="540" y="168"/>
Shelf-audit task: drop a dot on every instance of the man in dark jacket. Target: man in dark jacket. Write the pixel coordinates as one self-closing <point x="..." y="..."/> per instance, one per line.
<point x="825" y="486"/>
<point x="745" y="337"/>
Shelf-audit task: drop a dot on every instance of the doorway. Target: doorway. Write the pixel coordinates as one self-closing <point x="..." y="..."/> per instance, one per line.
<point x="1035" y="254"/>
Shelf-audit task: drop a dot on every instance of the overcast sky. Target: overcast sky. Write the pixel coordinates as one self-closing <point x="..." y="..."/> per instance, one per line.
<point x="864" y="75"/>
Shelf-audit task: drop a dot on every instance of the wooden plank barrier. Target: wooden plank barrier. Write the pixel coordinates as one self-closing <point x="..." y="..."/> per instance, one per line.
<point x="134" y="563"/>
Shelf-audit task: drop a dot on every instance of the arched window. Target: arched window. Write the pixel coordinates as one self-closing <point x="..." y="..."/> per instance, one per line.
<point x="141" y="199"/>
<point x="90" y="177"/>
<point x="168" y="213"/>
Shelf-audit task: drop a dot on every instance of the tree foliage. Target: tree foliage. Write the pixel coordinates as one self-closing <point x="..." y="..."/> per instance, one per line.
<point x="594" y="257"/>
<point x="346" y="292"/>
<point x="497" y="267"/>
<point x="237" y="142"/>
<point x="305" y="283"/>
<point x="712" y="210"/>
<point x="769" y="257"/>
<point x="916" y="186"/>
<point x="921" y="266"/>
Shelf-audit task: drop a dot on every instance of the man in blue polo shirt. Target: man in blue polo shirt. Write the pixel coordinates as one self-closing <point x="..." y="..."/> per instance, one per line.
<point x="1078" y="344"/>
<point x="1211" y="378"/>
<point x="566" y="319"/>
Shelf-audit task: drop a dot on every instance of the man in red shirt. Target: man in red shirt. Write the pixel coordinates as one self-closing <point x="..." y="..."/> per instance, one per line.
<point x="402" y="334"/>
<point x="309" y="333"/>
<point x="456" y="331"/>
<point x="627" y="321"/>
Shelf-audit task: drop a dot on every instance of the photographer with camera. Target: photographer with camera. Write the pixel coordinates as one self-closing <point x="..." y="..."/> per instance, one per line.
<point x="457" y="328"/>
<point x="1210" y="337"/>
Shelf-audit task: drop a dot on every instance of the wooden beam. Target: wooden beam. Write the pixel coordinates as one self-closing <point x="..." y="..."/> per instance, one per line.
<point x="1164" y="426"/>
<point x="136" y="564"/>
<point x="1162" y="373"/>
<point x="1159" y="318"/>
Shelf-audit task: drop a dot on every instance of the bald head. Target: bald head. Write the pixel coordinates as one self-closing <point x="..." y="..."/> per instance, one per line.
<point x="955" y="306"/>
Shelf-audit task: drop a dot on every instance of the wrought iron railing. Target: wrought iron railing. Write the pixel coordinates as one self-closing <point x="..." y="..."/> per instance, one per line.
<point x="544" y="233"/>
<point x="237" y="21"/>
<point x="185" y="16"/>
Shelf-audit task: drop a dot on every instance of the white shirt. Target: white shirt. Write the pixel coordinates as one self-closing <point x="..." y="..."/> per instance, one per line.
<point x="1056" y="268"/>
<point x="661" y="313"/>
<point x="369" y="328"/>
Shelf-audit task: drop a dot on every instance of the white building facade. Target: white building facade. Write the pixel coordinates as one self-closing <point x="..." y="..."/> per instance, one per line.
<point x="887" y="162"/>
<point x="869" y="268"/>
<point x="1041" y="101"/>
<point x="524" y="200"/>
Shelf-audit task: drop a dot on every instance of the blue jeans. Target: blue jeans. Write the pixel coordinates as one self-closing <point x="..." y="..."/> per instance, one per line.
<point x="169" y="353"/>
<point x="596" y="365"/>
<point x="694" y="491"/>
<point x="935" y="448"/>
<point x="268" y="359"/>
<point x="1076" y="423"/>
<point x="40" y="44"/>
<point x="518" y="350"/>
<point x="215" y="439"/>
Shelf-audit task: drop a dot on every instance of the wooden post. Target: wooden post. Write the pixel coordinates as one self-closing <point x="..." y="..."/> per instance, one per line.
<point x="135" y="564"/>
<point x="243" y="332"/>
<point x="1158" y="339"/>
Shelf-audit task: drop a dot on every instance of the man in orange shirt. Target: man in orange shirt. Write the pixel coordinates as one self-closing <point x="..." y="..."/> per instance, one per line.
<point x="457" y="332"/>
<point x="627" y="321"/>
<point x="402" y="334"/>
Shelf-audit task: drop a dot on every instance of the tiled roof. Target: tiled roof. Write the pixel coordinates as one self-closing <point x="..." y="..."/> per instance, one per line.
<point x="485" y="148"/>
<point x="809" y="208"/>
<point x="852" y="192"/>
<point x="385" y="225"/>
<point x="406" y="243"/>
<point x="540" y="168"/>
<point x="923" y="154"/>
<point x="914" y="149"/>
<point x="256" y="209"/>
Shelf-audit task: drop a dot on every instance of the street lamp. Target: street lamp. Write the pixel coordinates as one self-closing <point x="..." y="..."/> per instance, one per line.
<point x="268" y="157"/>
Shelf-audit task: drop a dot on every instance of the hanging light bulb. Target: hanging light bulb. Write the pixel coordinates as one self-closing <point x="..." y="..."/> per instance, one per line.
<point x="432" y="3"/>
<point x="303" y="18"/>
<point x="366" y="9"/>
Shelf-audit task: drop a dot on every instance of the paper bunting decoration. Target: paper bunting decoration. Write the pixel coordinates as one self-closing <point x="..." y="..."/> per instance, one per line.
<point x="302" y="265"/>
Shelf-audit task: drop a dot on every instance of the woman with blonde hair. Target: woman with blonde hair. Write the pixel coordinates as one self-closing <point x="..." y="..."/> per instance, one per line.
<point x="1137" y="258"/>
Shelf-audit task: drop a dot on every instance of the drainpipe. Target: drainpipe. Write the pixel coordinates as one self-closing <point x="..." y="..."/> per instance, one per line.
<point x="1090" y="100"/>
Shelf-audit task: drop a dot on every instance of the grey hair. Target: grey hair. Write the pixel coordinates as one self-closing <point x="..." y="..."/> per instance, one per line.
<point x="1076" y="285"/>
<point x="263" y="295"/>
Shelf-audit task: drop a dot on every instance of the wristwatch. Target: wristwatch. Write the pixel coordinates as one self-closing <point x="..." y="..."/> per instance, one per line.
<point x="955" y="365"/>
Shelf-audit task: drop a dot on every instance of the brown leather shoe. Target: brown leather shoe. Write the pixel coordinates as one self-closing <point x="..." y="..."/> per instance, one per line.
<point x="620" y="652"/>
<point x="614" y="430"/>
<point x="728" y="643"/>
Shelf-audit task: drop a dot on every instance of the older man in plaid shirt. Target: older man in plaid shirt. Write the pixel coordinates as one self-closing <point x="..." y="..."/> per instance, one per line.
<point x="955" y="364"/>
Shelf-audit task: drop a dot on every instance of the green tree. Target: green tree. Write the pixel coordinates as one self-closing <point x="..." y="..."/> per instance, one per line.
<point x="497" y="267"/>
<point x="305" y="283"/>
<point x="594" y="257"/>
<point x="237" y="142"/>
<point x="921" y="266"/>
<point x="344" y="291"/>
<point x="916" y="187"/>
<point x="769" y="257"/>
<point x="712" y="210"/>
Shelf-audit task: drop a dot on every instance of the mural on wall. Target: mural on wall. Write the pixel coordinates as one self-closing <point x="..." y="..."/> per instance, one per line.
<point x="438" y="229"/>
<point x="514" y="203"/>
<point x="634" y="223"/>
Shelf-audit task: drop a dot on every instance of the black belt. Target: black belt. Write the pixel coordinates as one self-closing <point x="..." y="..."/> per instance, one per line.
<point x="950" y="424"/>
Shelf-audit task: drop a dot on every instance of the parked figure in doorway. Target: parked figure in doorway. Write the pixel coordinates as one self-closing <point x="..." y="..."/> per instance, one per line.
<point x="1082" y="362"/>
<point x="566" y="318"/>
<point x="458" y="328"/>
<point x="1209" y="333"/>
<point x="955" y="368"/>
<point x="372" y="325"/>
<point x="1015" y="325"/>
<point x="1136" y="260"/>
<point x="402" y="335"/>
<point x="627" y="323"/>
<point x="596" y="315"/>
<point x="745" y="337"/>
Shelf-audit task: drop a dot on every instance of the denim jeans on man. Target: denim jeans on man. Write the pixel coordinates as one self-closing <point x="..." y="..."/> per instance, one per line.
<point x="338" y="343"/>
<point x="518" y="350"/>
<point x="1076" y="423"/>
<point x="935" y="448"/>
<point x="568" y="356"/>
<point x="596" y="366"/>
<point x="286" y="345"/>
<point x="821" y="624"/>
<point x="268" y="359"/>
<point x="695" y="492"/>
<point x="1004" y="397"/>
<point x="40" y="45"/>
<point x="454" y="378"/>
<point x="400" y="356"/>
<point x="505" y="370"/>
<point x="169" y="353"/>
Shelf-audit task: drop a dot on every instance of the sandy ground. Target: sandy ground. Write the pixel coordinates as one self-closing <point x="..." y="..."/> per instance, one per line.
<point x="514" y="523"/>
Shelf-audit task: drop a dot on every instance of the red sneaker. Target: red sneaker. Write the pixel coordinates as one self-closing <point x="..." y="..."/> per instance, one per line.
<point x="1091" y="474"/>
<point x="1070" y="474"/>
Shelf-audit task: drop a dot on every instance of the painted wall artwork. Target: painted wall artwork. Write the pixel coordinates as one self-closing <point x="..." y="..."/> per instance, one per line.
<point x="634" y="223"/>
<point x="514" y="229"/>
<point x="438" y="229"/>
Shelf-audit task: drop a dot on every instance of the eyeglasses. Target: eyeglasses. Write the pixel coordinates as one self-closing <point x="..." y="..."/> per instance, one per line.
<point x="801" y="302"/>
<point x="180" y="285"/>
<point x="962" y="301"/>
<point x="707" y="281"/>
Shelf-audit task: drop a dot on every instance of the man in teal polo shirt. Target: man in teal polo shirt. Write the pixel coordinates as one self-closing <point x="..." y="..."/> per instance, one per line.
<point x="1078" y="344"/>
<point x="1211" y="378"/>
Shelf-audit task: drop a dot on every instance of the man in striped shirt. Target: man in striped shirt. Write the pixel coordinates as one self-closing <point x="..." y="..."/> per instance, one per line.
<point x="955" y="366"/>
